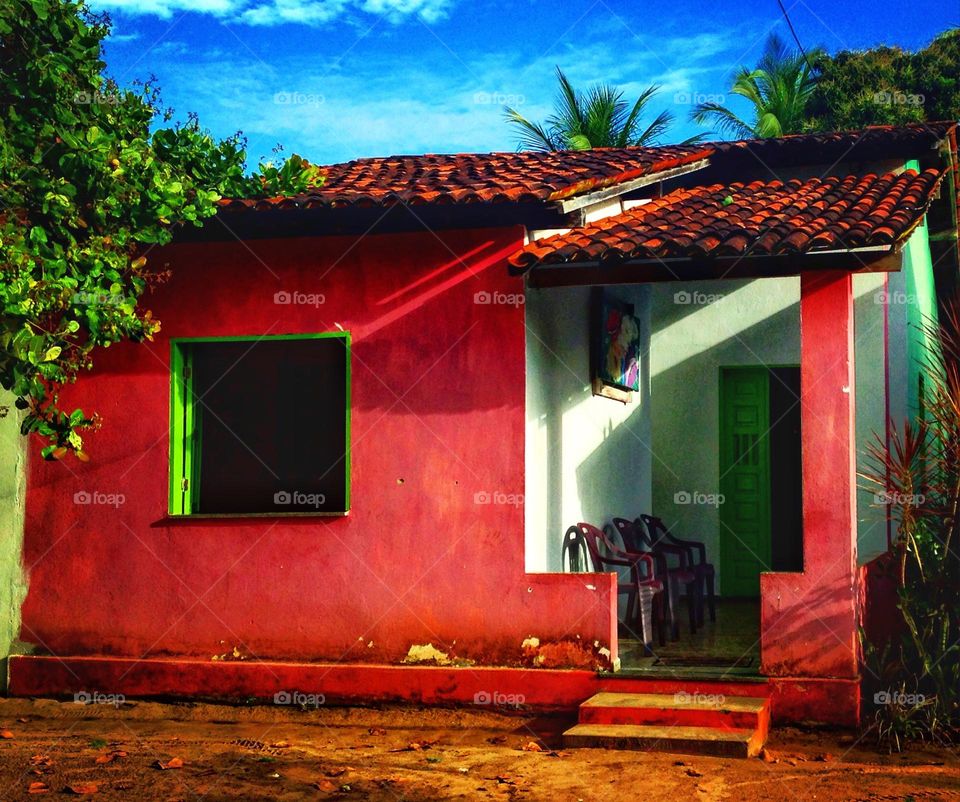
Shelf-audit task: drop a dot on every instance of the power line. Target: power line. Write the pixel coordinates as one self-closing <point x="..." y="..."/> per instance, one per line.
<point x="793" y="31"/>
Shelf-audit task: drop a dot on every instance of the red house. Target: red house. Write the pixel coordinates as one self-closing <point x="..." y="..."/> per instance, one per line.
<point x="370" y="417"/>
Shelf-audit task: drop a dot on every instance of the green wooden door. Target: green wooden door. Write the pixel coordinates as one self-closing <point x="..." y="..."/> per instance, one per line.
<point x="745" y="526"/>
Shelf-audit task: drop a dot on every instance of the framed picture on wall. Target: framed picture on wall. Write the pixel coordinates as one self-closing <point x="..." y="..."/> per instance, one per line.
<point x="615" y="347"/>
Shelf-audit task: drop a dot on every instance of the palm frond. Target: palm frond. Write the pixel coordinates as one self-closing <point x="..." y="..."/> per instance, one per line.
<point x="533" y="136"/>
<point x="600" y="117"/>
<point x="778" y="91"/>
<point x="568" y="115"/>
<point x="723" y="119"/>
<point x="654" y="132"/>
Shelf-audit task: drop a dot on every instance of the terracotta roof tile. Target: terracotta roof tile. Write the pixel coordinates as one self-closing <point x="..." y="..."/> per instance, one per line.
<point x="762" y="218"/>
<point x="481" y="177"/>
<point x="874" y="143"/>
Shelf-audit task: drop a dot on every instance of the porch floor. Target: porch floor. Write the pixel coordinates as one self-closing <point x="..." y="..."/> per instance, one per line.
<point x="730" y="645"/>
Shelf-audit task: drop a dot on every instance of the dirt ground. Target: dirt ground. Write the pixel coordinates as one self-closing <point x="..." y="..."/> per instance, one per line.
<point x="402" y="753"/>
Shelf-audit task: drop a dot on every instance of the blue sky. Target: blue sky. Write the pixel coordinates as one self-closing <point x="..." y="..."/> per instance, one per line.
<point x="339" y="79"/>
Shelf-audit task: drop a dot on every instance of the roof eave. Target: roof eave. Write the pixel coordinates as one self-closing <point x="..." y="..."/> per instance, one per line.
<point x="616" y="190"/>
<point x="872" y="259"/>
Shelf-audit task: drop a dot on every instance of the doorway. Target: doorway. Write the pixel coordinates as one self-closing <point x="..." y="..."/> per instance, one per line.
<point x="761" y="526"/>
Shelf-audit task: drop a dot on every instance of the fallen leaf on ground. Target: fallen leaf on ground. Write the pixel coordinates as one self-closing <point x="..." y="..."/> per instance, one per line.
<point x="6" y="735"/>
<point x="694" y="773"/>
<point x="532" y="746"/>
<point x="386" y="782"/>
<point x="325" y="785"/>
<point x="337" y="772"/>
<point x="83" y="788"/>
<point x="497" y="739"/>
<point x="38" y="788"/>
<point x="172" y="763"/>
<point x="280" y="745"/>
<point x="377" y="731"/>
<point x="824" y="757"/>
<point x="23" y="720"/>
<point x="502" y="779"/>
<point x="41" y="760"/>
<point x="415" y="746"/>
<point x="109" y="757"/>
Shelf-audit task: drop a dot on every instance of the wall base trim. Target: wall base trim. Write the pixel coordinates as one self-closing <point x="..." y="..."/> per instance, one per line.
<point x="821" y="700"/>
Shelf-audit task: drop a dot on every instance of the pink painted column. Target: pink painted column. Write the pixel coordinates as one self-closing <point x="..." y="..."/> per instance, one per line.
<point x="808" y="620"/>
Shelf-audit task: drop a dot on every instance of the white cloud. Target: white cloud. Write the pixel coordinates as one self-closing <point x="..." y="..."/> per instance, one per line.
<point x="165" y="9"/>
<point x="280" y="12"/>
<point x="377" y="99"/>
<point x="375" y="104"/>
<point x="301" y="12"/>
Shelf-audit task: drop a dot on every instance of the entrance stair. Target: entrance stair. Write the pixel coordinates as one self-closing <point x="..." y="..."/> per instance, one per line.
<point x="682" y="722"/>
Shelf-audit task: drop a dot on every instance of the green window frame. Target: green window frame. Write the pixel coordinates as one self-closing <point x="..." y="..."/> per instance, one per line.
<point x="186" y="426"/>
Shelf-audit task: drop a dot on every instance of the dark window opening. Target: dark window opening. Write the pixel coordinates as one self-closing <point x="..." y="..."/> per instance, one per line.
<point x="261" y="426"/>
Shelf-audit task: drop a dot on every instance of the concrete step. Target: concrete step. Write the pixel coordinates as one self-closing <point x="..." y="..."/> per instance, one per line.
<point x="680" y="709"/>
<point x="646" y="682"/>
<point x="738" y="743"/>
<point x="689" y="723"/>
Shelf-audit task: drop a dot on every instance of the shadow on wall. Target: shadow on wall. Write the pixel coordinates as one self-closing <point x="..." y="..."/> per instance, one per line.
<point x="687" y="353"/>
<point x="588" y="458"/>
<point x="685" y="392"/>
<point x="592" y="459"/>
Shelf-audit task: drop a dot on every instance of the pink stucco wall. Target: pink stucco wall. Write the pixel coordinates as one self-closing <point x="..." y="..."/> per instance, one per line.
<point x="437" y="417"/>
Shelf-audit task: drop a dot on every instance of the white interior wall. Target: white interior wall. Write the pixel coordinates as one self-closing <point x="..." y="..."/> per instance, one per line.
<point x="587" y="458"/>
<point x="699" y="327"/>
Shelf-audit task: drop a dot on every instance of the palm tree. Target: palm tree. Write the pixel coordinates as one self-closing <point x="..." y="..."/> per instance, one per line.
<point x="779" y="90"/>
<point x="601" y="118"/>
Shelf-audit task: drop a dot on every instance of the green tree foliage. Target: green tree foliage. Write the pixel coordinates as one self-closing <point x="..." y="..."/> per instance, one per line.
<point x="778" y="92"/>
<point x="598" y="118"/>
<point x="86" y="191"/>
<point x="888" y="86"/>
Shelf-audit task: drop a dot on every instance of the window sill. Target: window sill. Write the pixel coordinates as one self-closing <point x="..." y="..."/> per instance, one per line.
<point x="174" y="518"/>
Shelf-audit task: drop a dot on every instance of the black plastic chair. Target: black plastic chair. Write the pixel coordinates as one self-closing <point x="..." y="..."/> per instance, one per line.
<point x="704" y="571"/>
<point x="636" y="539"/>
<point x="643" y="589"/>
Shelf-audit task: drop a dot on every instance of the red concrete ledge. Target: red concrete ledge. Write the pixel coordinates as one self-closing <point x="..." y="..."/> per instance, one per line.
<point x="828" y="701"/>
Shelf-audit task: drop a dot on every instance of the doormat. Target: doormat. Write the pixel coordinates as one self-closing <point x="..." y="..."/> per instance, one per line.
<point x="747" y="661"/>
